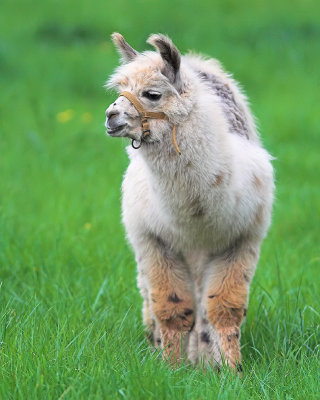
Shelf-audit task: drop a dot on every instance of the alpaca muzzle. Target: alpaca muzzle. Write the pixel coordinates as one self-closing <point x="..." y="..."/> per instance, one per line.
<point x="145" y="116"/>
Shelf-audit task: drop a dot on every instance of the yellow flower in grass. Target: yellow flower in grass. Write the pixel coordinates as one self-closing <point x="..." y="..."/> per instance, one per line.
<point x="86" y="117"/>
<point x="87" y="226"/>
<point x="65" y="116"/>
<point x="105" y="46"/>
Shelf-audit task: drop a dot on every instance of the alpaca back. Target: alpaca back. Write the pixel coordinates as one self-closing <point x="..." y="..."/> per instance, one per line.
<point x="228" y="92"/>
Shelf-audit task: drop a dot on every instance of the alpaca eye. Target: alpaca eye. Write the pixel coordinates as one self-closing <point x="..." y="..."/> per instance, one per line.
<point x="153" y="96"/>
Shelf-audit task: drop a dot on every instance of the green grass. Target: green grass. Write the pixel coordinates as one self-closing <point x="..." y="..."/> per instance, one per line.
<point x="70" y="311"/>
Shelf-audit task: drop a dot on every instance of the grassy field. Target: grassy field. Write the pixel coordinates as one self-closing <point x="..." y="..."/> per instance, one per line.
<point x="70" y="311"/>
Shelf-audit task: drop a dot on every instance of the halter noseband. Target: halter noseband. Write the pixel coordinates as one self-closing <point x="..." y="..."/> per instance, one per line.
<point x="145" y="115"/>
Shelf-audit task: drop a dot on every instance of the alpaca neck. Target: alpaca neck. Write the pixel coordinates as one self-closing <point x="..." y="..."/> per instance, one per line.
<point x="203" y="153"/>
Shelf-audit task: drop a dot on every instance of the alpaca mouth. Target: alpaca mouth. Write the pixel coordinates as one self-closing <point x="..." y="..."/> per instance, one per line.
<point x="115" y="130"/>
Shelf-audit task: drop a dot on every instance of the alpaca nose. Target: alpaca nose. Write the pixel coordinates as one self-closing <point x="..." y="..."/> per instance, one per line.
<point x="111" y="114"/>
<point x="111" y="111"/>
<point x="114" y="122"/>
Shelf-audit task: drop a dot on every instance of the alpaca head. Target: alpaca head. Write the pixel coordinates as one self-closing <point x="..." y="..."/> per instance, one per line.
<point x="154" y="78"/>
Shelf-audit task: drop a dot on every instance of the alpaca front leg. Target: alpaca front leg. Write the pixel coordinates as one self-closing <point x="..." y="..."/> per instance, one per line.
<point x="171" y="299"/>
<point x="174" y="310"/>
<point x="226" y="300"/>
<point x="151" y="324"/>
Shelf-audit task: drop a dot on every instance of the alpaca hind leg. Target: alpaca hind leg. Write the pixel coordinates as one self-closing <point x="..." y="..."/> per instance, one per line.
<point x="204" y="345"/>
<point x="150" y="322"/>
<point x="209" y="347"/>
<point x="147" y="317"/>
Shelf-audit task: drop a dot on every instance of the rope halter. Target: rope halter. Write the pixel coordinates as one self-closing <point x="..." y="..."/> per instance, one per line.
<point x="145" y="115"/>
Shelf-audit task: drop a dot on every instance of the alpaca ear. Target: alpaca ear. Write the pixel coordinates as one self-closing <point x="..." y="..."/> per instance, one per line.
<point x="126" y="52"/>
<point x="170" y="55"/>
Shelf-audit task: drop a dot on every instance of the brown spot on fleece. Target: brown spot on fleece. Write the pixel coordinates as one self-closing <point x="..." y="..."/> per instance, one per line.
<point x="204" y="337"/>
<point x="218" y="179"/>
<point x="174" y="298"/>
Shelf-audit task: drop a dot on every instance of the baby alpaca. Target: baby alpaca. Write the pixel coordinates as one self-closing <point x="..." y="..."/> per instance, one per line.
<point x="197" y="197"/>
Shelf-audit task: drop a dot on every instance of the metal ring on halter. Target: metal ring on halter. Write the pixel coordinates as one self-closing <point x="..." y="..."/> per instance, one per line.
<point x="136" y="146"/>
